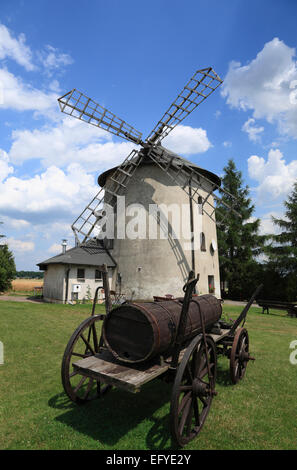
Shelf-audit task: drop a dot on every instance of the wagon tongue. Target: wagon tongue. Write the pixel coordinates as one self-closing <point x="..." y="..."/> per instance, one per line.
<point x="244" y="312"/>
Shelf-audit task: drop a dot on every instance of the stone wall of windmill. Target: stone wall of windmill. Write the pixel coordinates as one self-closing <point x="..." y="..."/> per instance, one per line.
<point x="148" y="267"/>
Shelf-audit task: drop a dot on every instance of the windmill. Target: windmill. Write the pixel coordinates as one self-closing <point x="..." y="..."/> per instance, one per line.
<point x="180" y="171"/>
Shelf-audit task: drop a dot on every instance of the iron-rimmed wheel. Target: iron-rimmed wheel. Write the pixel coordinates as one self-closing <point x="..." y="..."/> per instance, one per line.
<point x="193" y="390"/>
<point x="83" y="343"/>
<point x="239" y="356"/>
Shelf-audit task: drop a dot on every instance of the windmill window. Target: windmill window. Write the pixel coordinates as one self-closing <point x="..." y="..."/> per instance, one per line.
<point x="211" y="286"/>
<point x="200" y="205"/>
<point x="202" y="242"/>
<point x="98" y="275"/>
<point x="81" y="275"/>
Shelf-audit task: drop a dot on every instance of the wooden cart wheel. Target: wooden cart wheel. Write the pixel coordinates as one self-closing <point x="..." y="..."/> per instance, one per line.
<point x="83" y="343"/>
<point x="239" y="356"/>
<point x="193" y="390"/>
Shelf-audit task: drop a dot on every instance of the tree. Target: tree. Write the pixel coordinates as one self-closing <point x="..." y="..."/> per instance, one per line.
<point x="282" y="251"/>
<point x="7" y="268"/>
<point x="239" y="241"/>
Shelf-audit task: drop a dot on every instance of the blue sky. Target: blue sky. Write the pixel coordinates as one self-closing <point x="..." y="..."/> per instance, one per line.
<point x="134" y="57"/>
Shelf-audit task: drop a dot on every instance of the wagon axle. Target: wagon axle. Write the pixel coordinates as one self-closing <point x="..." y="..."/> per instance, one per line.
<point x="244" y="357"/>
<point x="201" y="388"/>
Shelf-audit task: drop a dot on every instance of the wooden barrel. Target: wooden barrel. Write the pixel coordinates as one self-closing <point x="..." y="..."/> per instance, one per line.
<point x="136" y="332"/>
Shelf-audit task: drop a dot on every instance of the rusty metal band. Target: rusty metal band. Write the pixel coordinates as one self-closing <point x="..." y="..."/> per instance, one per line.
<point x="152" y="318"/>
<point x="173" y="335"/>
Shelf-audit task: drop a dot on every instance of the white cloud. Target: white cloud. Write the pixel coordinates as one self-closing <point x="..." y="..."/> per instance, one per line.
<point x="18" y="95"/>
<point x="267" y="227"/>
<point x="15" y="49"/>
<point x="187" y="140"/>
<point x="52" y="59"/>
<point x="266" y="85"/>
<point x="252" y="130"/>
<point x="16" y="224"/>
<point x="274" y="175"/>
<point x="55" y="248"/>
<point x="56" y="230"/>
<point x="5" y="168"/>
<point x="20" y="245"/>
<point x="54" y="195"/>
<point x="67" y="142"/>
<point x="227" y="144"/>
<point x="55" y="86"/>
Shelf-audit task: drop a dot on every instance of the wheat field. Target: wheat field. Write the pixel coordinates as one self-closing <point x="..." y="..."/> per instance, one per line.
<point x="26" y="285"/>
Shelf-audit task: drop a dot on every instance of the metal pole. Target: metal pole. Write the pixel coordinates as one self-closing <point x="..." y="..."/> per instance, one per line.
<point x="106" y="289"/>
<point x="192" y="230"/>
<point x="188" y="289"/>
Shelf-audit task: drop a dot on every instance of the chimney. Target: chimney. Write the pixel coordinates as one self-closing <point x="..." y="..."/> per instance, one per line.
<point x="64" y="244"/>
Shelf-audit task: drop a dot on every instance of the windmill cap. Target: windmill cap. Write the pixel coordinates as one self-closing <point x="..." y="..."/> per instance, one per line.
<point x="147" y="161"/>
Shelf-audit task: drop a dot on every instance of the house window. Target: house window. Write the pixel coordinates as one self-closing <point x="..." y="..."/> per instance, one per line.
<point x="98" y="275"/>
<point x="202" y="242"/>
<point x="211" y="286"/>
<point x="81" y="275"/>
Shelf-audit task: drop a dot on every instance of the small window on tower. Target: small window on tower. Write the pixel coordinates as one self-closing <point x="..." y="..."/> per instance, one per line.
<point x="202" y="242"/>
<point x="200" y="205"/>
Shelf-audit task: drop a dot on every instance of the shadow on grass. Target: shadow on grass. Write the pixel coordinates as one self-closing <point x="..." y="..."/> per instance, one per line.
<point x="223" y="374"/>
<point x="275" y="314"/>
<point x="110" y="418"/>
<point x="159" y="435"/>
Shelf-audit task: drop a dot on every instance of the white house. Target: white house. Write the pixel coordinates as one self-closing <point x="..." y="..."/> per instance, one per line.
<point x="74" y="275"/>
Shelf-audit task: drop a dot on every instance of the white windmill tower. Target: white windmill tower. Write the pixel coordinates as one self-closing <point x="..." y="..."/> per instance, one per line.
<point x="154" y="178"/>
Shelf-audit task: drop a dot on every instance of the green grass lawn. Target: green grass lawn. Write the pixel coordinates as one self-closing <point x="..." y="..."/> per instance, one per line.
<point x="258" y="413"/>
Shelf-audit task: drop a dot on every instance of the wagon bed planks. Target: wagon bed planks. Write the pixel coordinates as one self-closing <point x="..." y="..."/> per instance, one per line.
<point x="217" y="338"/>
<point x="106" y="368"/>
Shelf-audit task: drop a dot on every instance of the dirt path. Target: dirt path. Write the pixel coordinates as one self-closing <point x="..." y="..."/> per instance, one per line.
<point x="24" y="298"/>
<point x="19" y="298"/>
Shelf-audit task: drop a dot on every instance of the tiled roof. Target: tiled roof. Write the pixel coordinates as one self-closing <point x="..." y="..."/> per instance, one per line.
<point x="90" y="254"/>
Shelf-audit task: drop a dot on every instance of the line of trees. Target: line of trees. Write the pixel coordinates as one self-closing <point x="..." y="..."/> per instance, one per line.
<point x="247" y="258"/>
<point x="29" y="275"/>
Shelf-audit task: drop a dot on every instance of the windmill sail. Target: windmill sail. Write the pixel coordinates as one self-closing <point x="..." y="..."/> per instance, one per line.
<point x="193" y="183"/>
<point x="84" y="226"/>
<point x="199" y="87"/>
<point x="78" y="105"/>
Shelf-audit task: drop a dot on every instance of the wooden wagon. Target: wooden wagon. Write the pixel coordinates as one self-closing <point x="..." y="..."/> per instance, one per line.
<point x="89" y="369"/>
